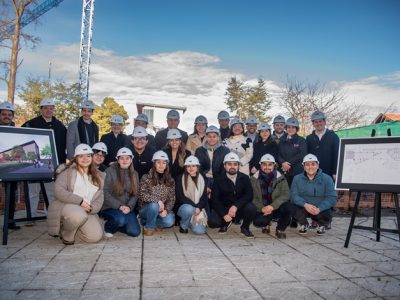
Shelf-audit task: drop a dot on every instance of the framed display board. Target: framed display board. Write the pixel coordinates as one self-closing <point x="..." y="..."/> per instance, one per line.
<point x="369" y="164"/>
<point x="27" y="154"/>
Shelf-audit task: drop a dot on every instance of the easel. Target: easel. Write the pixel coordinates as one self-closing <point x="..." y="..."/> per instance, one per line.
<point x="29" y="217"/>
<point x="377" y="217"/>
<point x="376" y="225"/>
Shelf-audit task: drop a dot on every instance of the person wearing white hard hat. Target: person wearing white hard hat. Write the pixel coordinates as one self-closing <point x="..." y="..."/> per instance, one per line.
<point x="324" y="144"/>
<point x="83" y="130"/>
<point x="291" y="150"/>
<point x="46" y="120"/>
<point x="279" y="128"/>
<point x="176" y="152"/>
<point x="239" y="144"/>
<point x="195" y="140"/>
<point x="211" y="156"/>
<point x="264" y="144"/>
<point x="121" y="189"/>
<point x="313" y="194"/>
<point x="99" y="155"/>
<point x="142" y="120"/>
<point x="157" y="196"/>
<point x="271" y="195"/>
<point x="191" y="198"/>
<point x="251" y="128"/>
<point x="115" y="139"/>
<point x="231" y="198"/>
<point x="78" y="198"/>
<point x="223" y="120"/>
<point x="173" y="119"/>
<point x="6" y="119"/>
<point x="142" y="151"/>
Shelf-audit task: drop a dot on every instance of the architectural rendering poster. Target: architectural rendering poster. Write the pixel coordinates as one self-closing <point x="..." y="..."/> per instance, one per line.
<point x="26" y="154"/>
<point x="369" y="164"/>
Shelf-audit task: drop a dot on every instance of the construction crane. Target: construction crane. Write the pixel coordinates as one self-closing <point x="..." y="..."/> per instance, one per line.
<point x="33" y="15"/>
<point x="86" y="47"/>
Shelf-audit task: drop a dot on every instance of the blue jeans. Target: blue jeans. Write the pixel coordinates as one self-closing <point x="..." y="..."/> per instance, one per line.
<point x="118" y="221"/>
<point x="151" y="219"/>
<point x="186" y="211"/>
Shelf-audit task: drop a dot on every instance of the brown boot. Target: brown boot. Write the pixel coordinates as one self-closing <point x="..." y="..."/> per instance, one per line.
<point x="158" y="230"/>
<point x="148" y="232"/>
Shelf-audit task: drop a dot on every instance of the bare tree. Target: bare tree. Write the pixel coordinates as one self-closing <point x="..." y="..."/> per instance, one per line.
<point x="301" y="99"/>
<point x="10" y="39"/>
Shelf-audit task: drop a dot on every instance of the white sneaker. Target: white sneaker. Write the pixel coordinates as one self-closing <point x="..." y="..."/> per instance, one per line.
<point x="108" y="235"/>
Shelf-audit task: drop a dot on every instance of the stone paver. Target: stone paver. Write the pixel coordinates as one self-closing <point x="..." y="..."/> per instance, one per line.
<point x="171" y="265"/>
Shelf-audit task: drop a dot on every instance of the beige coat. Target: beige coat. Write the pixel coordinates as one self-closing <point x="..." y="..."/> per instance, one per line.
<point x="64" y="187"/>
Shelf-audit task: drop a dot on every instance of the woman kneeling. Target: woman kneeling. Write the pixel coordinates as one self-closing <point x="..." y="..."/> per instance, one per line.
<point x="78" y="199"/>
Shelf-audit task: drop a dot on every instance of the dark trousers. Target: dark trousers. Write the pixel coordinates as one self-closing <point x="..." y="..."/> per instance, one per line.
<point x="324" y="218"/>
<point x="118" y="221"/>
<point x="283" y="214"/>
<point x="247" y="213"/>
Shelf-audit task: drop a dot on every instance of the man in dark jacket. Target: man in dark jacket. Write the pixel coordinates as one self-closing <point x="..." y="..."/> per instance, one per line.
<point x="173" y="120"/>
<point x="324" y="144"/>
<point x="143" y="121"/>
<point x="223" y="120"/>
<point x="231" y="198"/>
<point x="142" y="151"/>
<point x="115" y="139"/>
<point x="279" y="128"/>
<point x="47" y="121"/>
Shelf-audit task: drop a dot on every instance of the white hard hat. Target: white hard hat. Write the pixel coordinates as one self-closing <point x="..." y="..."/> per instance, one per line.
<point x="264" y="126"/>
<point x="7" y="106"/>
<point x="46" y="102"/>
<point x="213" y="129"/>
<point x="173" y="114"/>
<point x="100" y="146"/>
<point x="83" y="149"/>
<point x="231" y="156"/>
<point x="139" y="131"/>
<point x="117" y="119"/>
<point x="124" y="151"/>
<point x="87" y="104"/>
<point x="267" y="158"/>
<point x="310" y="157"/>
<point x="200" y="120"/>
<point x="279" y="119"/>
<point x="317" y="115"/>
<point x="251" y="120"/>
<point x="235" y="121"/>
<point x="192" y="160"/>
<point x="223" y="115"/>
<point x="292" y="122"/>
<point x="174" y="134"/>
<point x="160" y="155"/>
<point x="142" y="117"/>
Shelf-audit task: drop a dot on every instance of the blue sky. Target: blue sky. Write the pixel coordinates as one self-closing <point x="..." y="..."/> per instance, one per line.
<point x="192" y="48"/>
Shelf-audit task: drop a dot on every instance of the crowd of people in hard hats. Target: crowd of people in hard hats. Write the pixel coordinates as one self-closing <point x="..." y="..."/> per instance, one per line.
<point x="234" y="173"/>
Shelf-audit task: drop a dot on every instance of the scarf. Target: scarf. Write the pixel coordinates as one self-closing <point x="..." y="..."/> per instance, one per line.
<point x="88" y="133"/>
<point x="266" y="181"/>
<point x="194" y="193"/>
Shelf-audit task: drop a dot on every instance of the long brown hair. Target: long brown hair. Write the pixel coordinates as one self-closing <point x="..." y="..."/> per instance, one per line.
<point x="181" y="153"/>
<point x="119" y="185"/>
<point x="93" y="172"/>
<point x="186" y="176"/>
<point x="166" y="177"/>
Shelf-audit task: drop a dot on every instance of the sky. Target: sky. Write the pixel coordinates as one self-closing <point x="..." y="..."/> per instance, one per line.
<point x="184" y="52"/>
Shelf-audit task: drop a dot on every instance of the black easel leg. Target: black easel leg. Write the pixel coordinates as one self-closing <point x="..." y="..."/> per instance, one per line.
<point x="378" y="216"/>
<point x="6" y="213"/>
<point x="353" y="217"/>
<point x="27" y="201"/>
<point x="46" y="200"/>
<point x="396" y="203"/>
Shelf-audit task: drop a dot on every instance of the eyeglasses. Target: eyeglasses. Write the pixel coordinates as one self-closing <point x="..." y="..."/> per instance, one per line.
<point x="100" y="153"/>
<point x="142" y="138"/>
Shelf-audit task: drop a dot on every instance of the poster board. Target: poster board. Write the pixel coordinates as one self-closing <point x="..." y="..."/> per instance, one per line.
<point x="27" y="154"/>
<point x="369" y="164"/>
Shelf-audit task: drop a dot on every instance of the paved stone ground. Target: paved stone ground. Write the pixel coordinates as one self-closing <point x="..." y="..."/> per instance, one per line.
<point x="172" y="265"/>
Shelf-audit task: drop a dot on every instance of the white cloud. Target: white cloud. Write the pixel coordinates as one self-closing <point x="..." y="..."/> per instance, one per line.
<point x="183" y="78"/>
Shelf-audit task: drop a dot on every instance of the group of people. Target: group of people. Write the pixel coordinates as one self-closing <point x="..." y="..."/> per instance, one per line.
<point x="239" y="172"/>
